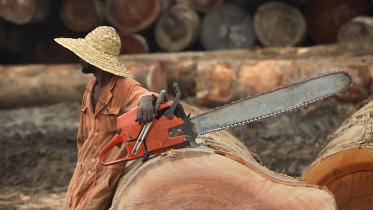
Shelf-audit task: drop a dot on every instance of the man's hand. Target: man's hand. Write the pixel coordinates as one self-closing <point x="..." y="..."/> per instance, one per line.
<point x="146" y="112"/>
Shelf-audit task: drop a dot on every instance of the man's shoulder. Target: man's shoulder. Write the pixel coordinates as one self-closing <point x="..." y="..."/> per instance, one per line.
<point x="126" y="82"/>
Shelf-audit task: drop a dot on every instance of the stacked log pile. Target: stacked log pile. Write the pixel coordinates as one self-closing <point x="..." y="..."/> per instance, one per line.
<point x="180" y="25"/>
<point x="345" y="164"/>
<point x="214" y="78"/>
<point x="219" y="174"/>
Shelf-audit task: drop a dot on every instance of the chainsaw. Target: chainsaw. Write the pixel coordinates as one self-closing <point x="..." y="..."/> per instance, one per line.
<point x="172" y="127"/>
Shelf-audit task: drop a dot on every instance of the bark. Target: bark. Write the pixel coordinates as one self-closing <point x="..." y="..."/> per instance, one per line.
<point x="345" y="165"/>
<point x="325" y="17"/>
<point x="359" y="29"/>
<point x="215" y="77"/>
<point x="227" y="27"/>
<point x="177" y="29"/>
<point x="82" y="15"/>
<point x="278" y="24"/>
<point x="133" y="44"/>
<point x="202" y="5"/>
<point x="132" y="15"/>
<point x="24" y="12"/>
<point x="219" y="174"/>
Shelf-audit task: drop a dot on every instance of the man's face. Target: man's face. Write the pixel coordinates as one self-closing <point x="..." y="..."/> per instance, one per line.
<point x="86" y="67"/>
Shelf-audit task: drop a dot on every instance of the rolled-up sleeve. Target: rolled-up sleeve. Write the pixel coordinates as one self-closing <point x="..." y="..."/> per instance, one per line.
<point x="136" y="92"/>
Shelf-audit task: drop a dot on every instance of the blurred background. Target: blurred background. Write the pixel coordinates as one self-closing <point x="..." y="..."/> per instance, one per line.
<point x="28" y="26"/>
<point x="217" y="50"/>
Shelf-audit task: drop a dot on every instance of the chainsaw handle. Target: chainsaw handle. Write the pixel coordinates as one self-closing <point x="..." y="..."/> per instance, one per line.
<point x="116" y="140"/>
<point x="161" y="97"/>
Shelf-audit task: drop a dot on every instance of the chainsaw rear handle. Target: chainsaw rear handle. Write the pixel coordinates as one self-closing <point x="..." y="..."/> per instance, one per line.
<point x="116" y="140"/>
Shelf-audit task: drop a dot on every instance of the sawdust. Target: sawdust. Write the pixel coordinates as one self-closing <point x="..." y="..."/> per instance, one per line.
<point x="39" y="151"/>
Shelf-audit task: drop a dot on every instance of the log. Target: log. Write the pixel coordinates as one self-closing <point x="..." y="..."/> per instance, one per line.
<point x="202" y="5"/>
<point x="133" y="43"/>
<point x="215" y="77"/>
<point x="359" y="29"/>
<point x="132" y="15"/>
<point x="31" y="85"/>
<point x="82" y="15"/>
<point x="24" y="12"/>
<point x="325" y="17"/>
<point x="219" y="174"/>
<point x="165" y="5"/>
<point x="177" y="29"/>
<point x="278" y="24"/>
<point x="227" y="27"/>
<point x="345" y="164"/>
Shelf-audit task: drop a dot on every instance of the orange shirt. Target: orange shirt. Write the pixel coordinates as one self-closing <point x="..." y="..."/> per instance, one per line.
<point x="92" y="185"/>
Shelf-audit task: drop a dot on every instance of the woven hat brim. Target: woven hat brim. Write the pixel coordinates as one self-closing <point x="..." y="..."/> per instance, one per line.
<point x="94" y="57"/>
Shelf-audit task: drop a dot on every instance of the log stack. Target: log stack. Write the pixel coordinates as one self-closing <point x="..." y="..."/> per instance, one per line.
<point x="219" y="174"/>
<point x="187" y="25"/>
<point x="345" y="165"/>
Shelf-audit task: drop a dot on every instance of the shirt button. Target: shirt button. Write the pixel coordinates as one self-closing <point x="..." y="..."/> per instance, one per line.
<point x="111" y="117"/>
<point x="93" y="159"/>
<point x="96" y="134"/>
<point x="89" y="172"/>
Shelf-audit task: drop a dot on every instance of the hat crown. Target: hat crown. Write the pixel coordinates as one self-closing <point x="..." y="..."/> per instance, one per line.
<point x="105" y="39"/>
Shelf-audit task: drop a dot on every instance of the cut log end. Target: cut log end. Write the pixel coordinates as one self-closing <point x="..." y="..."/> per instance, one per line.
<point x="202" y="5"/>
<point x="132" y="15"/>
<point x="133" y="44"/>
<point x="345" y="165"/>
<point x="359" y="29"/>
<point x="227" y="27"/>
<point x="82" y="15"/>
<point x="177" y="29"/>
<point x="24" y="12"/>
<point x="278" y="24"/>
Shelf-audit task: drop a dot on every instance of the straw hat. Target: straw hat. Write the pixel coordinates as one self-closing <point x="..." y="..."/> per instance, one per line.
<point x="100" y="48"/>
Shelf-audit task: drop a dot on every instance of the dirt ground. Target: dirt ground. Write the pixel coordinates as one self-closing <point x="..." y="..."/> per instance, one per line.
<point x="38" y="148"/>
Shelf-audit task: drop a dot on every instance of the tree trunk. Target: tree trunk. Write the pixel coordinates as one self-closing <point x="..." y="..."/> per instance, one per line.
<point x="345" y="165"/>
<point x="133" y="44"/>
<point x="177" y="29"/>
<point x="325" y="17"/>
<point x="214" y="77"/>
<point x="202" y="5"/>
<point x="132" y="15"/>
<point x="227" y="27"/>
<point x="82" y="15"/>
<point x="359" y="29"/>
<point x="277" y="24"/>
<point x="219" y="174"/>
<point x="26" y="11"/>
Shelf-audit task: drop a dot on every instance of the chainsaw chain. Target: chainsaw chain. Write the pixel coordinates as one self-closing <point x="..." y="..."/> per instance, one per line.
<point x="274" y="113"/>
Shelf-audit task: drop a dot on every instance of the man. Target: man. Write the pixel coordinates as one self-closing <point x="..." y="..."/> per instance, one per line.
<point x="111" y="93"/>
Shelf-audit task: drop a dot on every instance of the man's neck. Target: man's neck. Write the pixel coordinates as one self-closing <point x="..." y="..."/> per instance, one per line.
<point x="102" y="78"/>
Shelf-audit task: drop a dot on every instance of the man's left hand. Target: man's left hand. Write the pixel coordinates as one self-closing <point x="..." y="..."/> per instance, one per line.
<point x="145" y="112"/>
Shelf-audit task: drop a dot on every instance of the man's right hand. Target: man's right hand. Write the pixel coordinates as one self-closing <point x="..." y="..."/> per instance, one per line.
<point x="146" y="111"/>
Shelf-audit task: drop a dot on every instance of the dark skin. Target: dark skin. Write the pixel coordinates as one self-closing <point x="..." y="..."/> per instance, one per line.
<point x="145" y="111"/>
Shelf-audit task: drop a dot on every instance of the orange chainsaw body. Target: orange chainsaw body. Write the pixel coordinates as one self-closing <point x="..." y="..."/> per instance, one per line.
<point x="157" y="139"/>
